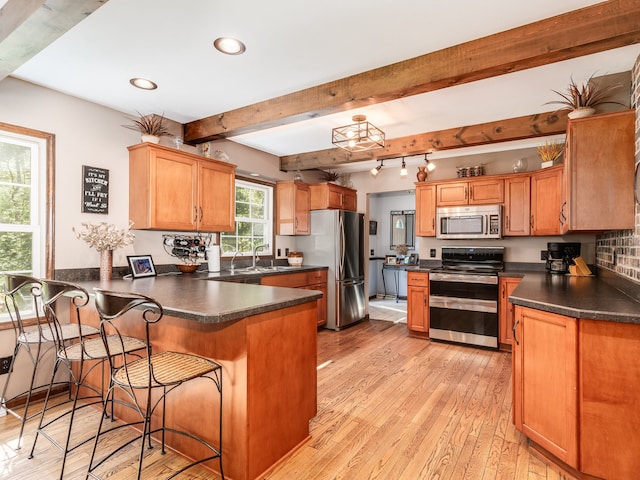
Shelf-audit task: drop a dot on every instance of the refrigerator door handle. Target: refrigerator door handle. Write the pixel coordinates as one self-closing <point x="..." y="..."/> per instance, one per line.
<point x="342" y="246"/>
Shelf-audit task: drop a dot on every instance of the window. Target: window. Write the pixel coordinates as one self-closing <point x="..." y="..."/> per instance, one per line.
<point x="25" y="203"/>
<point x="254" y="220"/>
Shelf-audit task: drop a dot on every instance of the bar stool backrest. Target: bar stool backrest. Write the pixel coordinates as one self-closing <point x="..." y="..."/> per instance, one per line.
<point x="22" y="299"/>
<point x="52" y="291"/>
<point x="111" y="307"/>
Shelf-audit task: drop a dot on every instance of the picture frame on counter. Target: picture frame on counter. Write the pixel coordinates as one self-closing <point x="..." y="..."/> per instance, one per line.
<point x="141" y="266"/>
<point x="391" y="260"/>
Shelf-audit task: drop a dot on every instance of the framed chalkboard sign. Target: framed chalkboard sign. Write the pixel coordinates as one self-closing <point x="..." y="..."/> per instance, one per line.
<point x="95" y="190"/>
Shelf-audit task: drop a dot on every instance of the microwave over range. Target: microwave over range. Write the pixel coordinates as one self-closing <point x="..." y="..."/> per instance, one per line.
<point x="472" y="221"/>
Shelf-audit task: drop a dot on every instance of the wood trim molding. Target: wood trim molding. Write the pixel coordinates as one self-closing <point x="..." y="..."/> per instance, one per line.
<point x="604" y="26"/>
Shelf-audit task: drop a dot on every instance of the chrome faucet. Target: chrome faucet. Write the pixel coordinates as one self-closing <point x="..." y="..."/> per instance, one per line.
<point x="232" y="266"/>
<point x="255" y="252"/>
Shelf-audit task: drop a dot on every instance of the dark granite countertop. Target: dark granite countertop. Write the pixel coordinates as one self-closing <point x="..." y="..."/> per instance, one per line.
<point x="196" y="297"/>
<point x="602" y="297"/>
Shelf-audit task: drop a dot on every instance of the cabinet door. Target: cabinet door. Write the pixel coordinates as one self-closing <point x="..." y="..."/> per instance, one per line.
<point x="599" y="162"/>
<point x="486" y="192"/>
<point x="350" y="200"/>
<point x="545" y="379"/>
<point x="546" y="188"/>
<point x="173" y="203"/>
<point x="418" y="302"/>
<point x="452" y="194"/>
<point x="426" y="210"/>
<point x="322" y="302"/>
<point x="216" y="187"/>
<point x="517" y="206"/>
<point x="292" y="208"/>
<point x="507" y="315"/>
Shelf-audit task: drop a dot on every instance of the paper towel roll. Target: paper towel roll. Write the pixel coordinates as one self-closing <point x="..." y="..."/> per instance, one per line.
<point x="213" y="257"/>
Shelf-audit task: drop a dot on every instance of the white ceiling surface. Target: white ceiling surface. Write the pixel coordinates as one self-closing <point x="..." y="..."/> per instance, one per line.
<point x="292" y="45"/>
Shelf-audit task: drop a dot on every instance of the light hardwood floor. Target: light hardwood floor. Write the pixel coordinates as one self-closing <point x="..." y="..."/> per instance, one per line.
<point x="389" y="407"/>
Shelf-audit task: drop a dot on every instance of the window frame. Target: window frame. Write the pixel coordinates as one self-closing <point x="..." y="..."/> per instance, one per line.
<point x="271" y="208"/>
<point x="47" y="208"/>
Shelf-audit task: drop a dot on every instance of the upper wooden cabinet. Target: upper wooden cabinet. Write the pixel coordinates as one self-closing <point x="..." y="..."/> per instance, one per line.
<point x="483" y="191"/>
<point x="546" y="189"/>
<point x="171" y="189"/>
<point x="598" y="173"/>
<point x="425" y="210"/>
<point x="517" y="206"/>
<point x="293" y="216"/>
<point x="334" y="197"/>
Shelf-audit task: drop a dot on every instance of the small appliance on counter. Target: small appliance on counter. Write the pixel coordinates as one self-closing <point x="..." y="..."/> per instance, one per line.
<point x="561" y="255"/>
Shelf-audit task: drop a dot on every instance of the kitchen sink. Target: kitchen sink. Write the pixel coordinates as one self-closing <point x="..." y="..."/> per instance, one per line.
<point x="259" y="269"/>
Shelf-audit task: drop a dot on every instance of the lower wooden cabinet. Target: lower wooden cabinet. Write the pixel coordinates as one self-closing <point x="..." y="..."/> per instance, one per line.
<point x="314" y="280"/>
<point x="418" y="302"/>
<point x="545" y="381"/>
<point x="506" y="314"/>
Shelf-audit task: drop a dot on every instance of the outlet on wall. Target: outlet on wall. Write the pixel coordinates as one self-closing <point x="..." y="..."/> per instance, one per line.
<point x="5" y="363"/>
<point x="432" y="253"/>
<point x="544" y="254"/>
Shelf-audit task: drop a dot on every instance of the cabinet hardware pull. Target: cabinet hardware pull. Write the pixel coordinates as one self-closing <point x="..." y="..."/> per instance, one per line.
<point x="532" y="222"/>
<point x="195" y="214"/>
<point x="201" y="215"/>
<point x="502" y="291"/>
<point x="507" y="222"/>
<point x="515" y="336"/>
<point x="433" y="223"/>
<point x="465" y="193"/>
<point x="470" y="193"/>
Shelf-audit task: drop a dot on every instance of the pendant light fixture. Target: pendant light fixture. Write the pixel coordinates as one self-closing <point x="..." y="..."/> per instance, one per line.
<point x="359" y="136"/>
<point x="403" y="169"/>
<point x="430" y="166"/>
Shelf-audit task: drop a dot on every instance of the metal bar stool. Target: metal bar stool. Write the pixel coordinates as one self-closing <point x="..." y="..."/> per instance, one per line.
<point x="146" y="382"/>
<point x="22" y="301"/>
<point x="86" y="352"/>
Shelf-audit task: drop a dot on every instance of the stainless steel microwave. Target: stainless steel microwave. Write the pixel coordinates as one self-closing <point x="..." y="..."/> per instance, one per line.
<point x="472" y="221"/>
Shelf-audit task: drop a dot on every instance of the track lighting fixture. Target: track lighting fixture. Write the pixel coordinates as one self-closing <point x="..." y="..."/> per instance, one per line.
<point x="403" y="169"/>
<point x="430" y="166"/>
<point x="376" y="170"/>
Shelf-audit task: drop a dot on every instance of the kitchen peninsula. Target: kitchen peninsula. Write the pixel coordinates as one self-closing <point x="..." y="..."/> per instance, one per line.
<point x="264" y="338"/>
<point x="575" y="376"/>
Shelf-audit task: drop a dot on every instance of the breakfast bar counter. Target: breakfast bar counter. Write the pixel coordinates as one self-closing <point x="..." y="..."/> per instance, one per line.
<point x="264" y="338"/>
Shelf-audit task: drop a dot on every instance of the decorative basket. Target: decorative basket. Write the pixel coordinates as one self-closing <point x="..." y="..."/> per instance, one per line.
<point x="295" y="259"/>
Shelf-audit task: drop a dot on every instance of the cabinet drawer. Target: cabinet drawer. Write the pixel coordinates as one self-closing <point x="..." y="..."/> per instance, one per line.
<point x="293" y="280"/>
<point x="418" y="279"/>
<point x="318" y="276"/>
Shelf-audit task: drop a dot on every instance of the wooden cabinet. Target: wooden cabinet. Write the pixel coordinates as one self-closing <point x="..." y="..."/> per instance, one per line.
<point x="314" y="280"/>
<point x="484" y="191"/>
<point x="418" y="302"/>
<point x="331" y="196"/>
<point x="545" y="380"/>
<point x="293" y="208"/>
<point x="425" y="210"/>
<point x="174" y="190"/>
<point x="506" y="315"/>
<point x="517" y="206"/>
<point x="598" y="173"/>
<point x="546" y="189"/>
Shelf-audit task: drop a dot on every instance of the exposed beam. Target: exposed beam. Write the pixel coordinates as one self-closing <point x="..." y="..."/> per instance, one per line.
<point x="28" y="26"/>
<point x="519" y="128"/>
<point x="604" y="26"/>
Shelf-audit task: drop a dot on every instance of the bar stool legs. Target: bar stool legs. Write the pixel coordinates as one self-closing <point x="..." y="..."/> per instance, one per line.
<point x="144" y="384"/>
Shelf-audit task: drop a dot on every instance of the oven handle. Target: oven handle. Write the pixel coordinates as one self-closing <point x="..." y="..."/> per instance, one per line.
<point x="455" y="303"/>
<point x="463" y="278"/>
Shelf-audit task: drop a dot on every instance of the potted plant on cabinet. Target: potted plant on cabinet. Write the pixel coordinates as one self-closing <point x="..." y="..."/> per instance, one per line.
<point x="582" y="98"/>
<point x="151" y="127"/>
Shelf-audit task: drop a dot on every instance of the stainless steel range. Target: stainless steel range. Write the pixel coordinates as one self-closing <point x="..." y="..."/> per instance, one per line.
<point x="463" y="296"/>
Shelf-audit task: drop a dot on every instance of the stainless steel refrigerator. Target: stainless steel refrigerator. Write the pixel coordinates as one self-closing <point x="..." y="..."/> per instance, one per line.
<point x="337" y="241"/>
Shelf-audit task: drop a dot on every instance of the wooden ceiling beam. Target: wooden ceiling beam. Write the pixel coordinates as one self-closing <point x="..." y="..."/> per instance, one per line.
<point x="519" y="128"/>
<point x="604" y="26"/>
<point x="29" y="26"/>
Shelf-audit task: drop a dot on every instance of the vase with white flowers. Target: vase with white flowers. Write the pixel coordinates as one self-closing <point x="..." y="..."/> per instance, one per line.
<point x="105" y="238"/>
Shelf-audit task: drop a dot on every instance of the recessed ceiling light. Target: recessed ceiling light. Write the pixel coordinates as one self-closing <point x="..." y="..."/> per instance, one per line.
<point x="143" y="83"/>
<point x="229" y="45"/>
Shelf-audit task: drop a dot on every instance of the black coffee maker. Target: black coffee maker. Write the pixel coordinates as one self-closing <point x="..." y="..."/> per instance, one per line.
<point x="560" y="256"/>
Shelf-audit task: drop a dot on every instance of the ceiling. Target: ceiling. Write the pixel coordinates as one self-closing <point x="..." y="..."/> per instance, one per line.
<point x="292" y="46"/>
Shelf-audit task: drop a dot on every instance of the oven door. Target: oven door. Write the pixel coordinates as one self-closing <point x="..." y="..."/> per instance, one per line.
<point x="464" y="309"/>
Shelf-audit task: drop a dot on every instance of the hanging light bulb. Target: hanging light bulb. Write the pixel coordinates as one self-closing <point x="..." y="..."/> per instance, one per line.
<point x="403" y="169"/>
<point x="430" y="166"/>
<point x="376" y="170"/>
